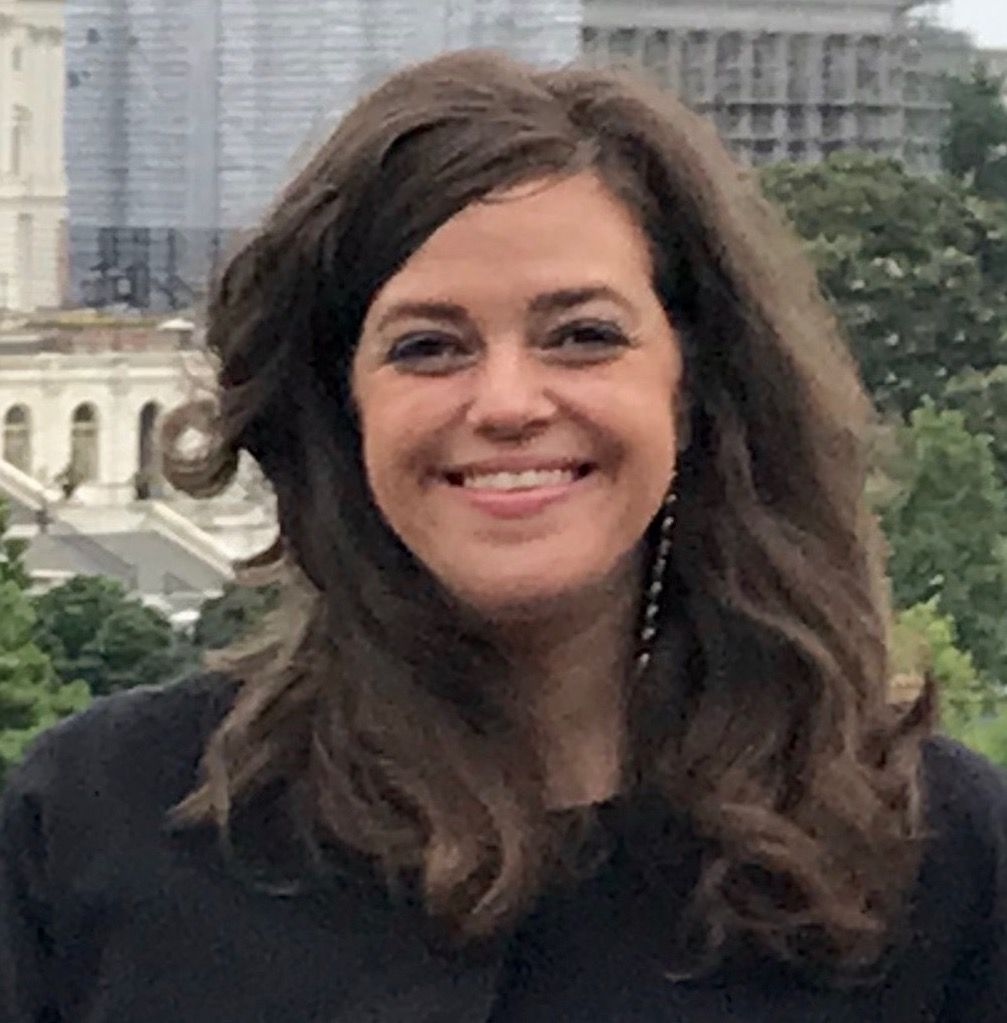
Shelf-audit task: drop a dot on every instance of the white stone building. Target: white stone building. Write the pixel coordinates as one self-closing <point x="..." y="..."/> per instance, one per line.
<point x="88" y="413"/>
<point x="32" y="179"/>
<point x="790" y="79"/>
<point x="80" y="411"/>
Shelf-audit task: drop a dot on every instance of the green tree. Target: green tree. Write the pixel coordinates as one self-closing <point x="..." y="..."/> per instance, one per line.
<point x="946" y="525"/>
<point x="225" y="619"/>
<point x="975" y="142"/>
<point x="94" y="631"/>
<point x="915" y="269"/>
<point x="925" y="641"/>
<point x="981" y="397"/>
<point x="988" y="735"/>
<point x="134" y="645"/>
<point x="31" y="695"/>
<point x="69" y="616"/>
<point x="12" y="566"/>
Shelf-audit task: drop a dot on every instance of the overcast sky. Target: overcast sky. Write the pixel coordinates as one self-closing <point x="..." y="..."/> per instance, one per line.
<point x="986" y="19"/>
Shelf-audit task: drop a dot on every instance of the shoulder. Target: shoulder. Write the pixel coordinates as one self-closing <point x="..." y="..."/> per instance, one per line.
<point x="965" y="860"/>
<point x="961" y="896"/>
<point x="131" y="754"/>
<point x="964" y="793"/>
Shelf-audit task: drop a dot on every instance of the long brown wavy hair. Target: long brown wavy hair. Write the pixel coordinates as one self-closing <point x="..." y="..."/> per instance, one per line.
<point x="763" y="719"/>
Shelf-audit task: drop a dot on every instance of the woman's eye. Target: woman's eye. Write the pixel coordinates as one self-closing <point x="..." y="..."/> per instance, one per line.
<point x="591" y="339"/>
<point x="430" y="353"/>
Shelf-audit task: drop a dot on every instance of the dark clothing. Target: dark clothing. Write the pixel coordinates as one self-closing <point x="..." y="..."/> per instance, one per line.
<point x="106" y="916"/>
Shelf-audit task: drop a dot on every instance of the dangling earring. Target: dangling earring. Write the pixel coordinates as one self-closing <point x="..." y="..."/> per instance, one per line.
<point x="655" y="585"/>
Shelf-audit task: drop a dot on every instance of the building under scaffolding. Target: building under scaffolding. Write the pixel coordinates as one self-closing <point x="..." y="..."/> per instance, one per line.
<point x="183" y="118"/>
<point x="792" y="79"/>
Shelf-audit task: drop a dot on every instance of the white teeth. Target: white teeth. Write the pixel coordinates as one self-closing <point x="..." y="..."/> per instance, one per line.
<point x="526" y="480"/>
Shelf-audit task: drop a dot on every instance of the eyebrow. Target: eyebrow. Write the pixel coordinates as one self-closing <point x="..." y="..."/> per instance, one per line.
<point x="550" y="302"/>
<point x="446" y="311"/>
<point x="570" y="298"/>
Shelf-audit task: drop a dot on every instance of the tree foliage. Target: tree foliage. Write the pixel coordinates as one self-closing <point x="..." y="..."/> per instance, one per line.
<point x="946" y="523"/>
<point x="925" y="642"/>
<point x="32" y="697"/>
<point x="94" y="631"/>
<point x="12" y="567"/>
<point x="915" y="269"/>
<point x="988" y="735"/>
<point x="981" y="397"/>
<point x="133" y="646"/>
<point x="975" y="142"/>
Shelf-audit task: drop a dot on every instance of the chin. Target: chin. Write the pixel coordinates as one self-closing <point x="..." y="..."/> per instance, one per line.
<point x="521" y="597"/>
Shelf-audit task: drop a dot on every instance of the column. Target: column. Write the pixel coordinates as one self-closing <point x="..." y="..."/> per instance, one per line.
<point x="7" y="38"/>
<point x="849" y="127"/>
<point x="816" y="68"/>
<point x="746" y="63"/>
<point x="119" y="438"/>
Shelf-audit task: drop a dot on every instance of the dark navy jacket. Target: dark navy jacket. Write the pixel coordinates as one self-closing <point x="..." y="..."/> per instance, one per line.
<point x="106" y="916"/>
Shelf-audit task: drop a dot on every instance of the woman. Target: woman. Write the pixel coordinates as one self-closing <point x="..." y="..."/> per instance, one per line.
<point x="575" y="706"/>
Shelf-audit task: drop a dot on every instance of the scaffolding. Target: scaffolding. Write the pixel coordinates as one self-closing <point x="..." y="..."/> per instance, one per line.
<point x="185" y="118"/>
<point x="796" y="80"/>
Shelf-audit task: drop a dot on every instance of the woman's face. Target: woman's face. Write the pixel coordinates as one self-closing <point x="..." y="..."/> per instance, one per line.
<point x="517" y="383"/>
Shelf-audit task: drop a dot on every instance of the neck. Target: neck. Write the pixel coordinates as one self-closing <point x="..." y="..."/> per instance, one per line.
<point x="573" y="663"/>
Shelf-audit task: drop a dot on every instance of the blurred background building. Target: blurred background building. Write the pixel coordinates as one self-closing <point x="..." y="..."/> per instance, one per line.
<point x="180" y="120"/>
<point x="32" y="180"/>
<point x="793" y="79"/>
<point x="183" y="118"/>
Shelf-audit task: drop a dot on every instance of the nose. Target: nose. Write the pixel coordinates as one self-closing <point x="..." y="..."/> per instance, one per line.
<point x="510" y="398"/>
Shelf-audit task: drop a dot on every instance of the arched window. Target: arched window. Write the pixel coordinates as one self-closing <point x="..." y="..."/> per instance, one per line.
<point x="84" y="444"/>
<point x="17" y="438"/>
<point x="148" y="473"/>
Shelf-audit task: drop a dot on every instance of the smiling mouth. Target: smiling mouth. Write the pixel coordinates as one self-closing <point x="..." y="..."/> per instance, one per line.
<point x="525" y="479"/>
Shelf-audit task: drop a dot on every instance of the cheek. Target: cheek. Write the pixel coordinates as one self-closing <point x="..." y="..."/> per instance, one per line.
<point x="382" y="434"/>
<point x="380" y="456"/>
<point x="658" y="411"/>
<point x="642" y="412"/>
<point x="650" y="417"/>
<point x="400" y="422"/>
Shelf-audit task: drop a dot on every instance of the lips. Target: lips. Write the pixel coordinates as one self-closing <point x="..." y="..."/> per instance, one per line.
<point x="508" y="479"/>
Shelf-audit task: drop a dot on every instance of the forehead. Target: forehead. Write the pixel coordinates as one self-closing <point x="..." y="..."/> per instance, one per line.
<point x="540" y="235"/>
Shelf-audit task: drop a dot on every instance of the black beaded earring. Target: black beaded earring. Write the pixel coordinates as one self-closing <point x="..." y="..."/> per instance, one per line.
<point x="655" y="585"/>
